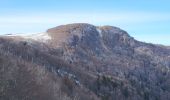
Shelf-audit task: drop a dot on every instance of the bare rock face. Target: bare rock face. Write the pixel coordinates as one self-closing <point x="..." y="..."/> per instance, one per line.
<point x="83" y="62"/>
<point x="89" y="39"/>
<point x="74" y="34"/>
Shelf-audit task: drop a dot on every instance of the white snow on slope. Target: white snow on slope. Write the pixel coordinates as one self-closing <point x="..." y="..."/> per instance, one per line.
<point x="43" y="37"/>
<point x="99" y="31"/>
<point x="39" y="37"/>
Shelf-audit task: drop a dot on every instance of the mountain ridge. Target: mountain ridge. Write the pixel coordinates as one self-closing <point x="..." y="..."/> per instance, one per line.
<point x="83" y="62"/>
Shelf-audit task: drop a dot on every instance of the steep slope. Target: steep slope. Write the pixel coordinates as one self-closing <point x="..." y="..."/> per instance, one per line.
<point x="82" y="61"/>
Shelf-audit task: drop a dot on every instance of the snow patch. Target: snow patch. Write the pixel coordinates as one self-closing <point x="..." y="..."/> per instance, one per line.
<point x="43" y="37"/>
<point x="100" y="32"/>
<point x="39" y="37"/>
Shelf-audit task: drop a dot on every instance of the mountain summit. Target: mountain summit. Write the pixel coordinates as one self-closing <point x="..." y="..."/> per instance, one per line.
<point x="78" y="33"/>
<point x="83" y="62"/>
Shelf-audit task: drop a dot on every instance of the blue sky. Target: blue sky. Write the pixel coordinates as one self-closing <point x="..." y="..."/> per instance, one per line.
<point x="146" y="20"/>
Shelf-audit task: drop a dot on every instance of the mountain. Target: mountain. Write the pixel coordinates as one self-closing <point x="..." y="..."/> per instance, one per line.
<point x="83" y="62"/>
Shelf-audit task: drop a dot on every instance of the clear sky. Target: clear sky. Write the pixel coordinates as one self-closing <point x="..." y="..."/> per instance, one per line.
<point x="146" y="20"/>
